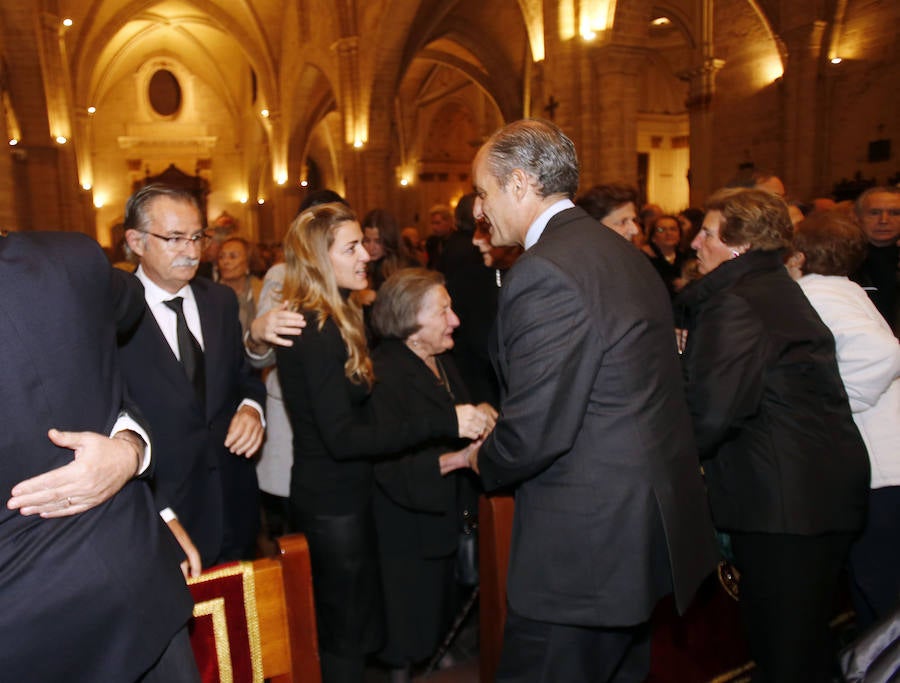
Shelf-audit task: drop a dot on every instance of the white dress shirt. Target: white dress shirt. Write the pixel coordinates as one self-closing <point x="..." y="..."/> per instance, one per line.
<point x="537" y="228"/>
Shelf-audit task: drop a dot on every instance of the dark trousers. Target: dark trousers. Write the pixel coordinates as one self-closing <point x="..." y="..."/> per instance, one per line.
<point x="347" y="591"/>
<point x="788" y="587"/>
<point x="541" y="652"/>
<point x="875" y="559"/>
<point x="176" y="664"/>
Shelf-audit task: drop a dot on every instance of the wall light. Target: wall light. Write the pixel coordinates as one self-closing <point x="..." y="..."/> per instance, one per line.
<point x="264" y="113"/>
<point x="67" y="22"/>
<point x="91" y="110"/>
<point x="13" y="142"/>
<point x="86" y="186"/>
<point x="281" y="179"/>
<point x="404" y="182"/>
<point x="61" y="139"/>
<point x="243" y="199"/>
<point x="836" y="60"/>
<point x="357" y="143"/>
<point x="99" y="201"/>
<point x="304" y="183"/>
<point x="260" y="201"/>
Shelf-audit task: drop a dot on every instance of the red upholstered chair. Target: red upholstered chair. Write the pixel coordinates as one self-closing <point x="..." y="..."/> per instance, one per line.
<point x="245" y="631"/>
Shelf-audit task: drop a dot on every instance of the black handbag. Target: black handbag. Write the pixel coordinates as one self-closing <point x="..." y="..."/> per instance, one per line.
<point x="466" y="570"/>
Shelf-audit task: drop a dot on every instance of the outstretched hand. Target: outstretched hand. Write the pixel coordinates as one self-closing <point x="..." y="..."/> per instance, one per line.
<point x="274" y="326"/>
<point x="101" y="467"/>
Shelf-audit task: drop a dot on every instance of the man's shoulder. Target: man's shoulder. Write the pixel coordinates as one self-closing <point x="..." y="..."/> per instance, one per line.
<point x="72" y="247"/>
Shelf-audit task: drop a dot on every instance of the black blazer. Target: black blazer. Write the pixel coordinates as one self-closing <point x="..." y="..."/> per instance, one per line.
<point x="771" y="417"/>
<point x="97" y="596"/>
<point x="213" y="492"/>
<point x="594" y="433"/>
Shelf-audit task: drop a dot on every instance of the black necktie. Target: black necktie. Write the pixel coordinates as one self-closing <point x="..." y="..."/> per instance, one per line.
<point x="188" y="349"/>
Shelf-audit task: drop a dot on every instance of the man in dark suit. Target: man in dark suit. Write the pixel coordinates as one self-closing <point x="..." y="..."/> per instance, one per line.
<point x="185" y="368"/>
<point x="91" y="586"/>
<point x="593" y="433"/>
<point x="878" y="210"/>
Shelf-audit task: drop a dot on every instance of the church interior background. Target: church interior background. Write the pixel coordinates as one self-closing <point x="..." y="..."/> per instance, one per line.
<point x="257" y="102"/>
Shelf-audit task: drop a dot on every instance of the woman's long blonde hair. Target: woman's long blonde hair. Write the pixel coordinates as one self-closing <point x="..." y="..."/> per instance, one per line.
<point x="309" y="282"/>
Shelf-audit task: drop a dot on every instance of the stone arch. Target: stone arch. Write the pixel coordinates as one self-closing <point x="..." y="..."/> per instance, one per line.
<point x="94" y="38"/>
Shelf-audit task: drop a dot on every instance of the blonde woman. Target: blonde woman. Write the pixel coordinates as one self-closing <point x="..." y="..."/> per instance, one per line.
<point x="339" y="427"/>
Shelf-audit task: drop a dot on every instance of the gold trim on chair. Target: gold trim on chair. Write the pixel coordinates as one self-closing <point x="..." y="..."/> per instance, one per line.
<point x="216" y="608"/>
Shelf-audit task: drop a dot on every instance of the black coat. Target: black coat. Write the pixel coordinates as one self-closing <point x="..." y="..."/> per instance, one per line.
<point x="416" y="512"/>
<point x="771" y="417"/>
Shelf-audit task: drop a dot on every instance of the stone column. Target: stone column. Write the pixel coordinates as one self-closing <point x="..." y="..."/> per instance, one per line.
<point x="702" y="80"/>
<point x="804" y="144"/>
<point x="608" y="119"/>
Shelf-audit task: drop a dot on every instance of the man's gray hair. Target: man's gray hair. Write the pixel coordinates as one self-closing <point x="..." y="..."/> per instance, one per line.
<point x="136" y="214"/>
<point x="539" y="148"/>
<point x="860" y="204"/>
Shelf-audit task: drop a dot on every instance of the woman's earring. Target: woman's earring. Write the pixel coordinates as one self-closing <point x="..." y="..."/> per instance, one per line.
<point x="735" y="253"/>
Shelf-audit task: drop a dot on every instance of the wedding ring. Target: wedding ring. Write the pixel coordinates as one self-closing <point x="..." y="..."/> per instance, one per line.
<point x="68" y="502"/>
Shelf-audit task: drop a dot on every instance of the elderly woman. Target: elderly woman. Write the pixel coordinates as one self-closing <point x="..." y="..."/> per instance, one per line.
<point x="415" y="502"/>
<point x="827" y="248"/>
<point x="786" y="470"/>
<point x="234" y="270"/>
<point x="340" y="425"/>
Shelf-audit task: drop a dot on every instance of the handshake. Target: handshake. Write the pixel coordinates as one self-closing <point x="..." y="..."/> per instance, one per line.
<point x="475" y="422"/>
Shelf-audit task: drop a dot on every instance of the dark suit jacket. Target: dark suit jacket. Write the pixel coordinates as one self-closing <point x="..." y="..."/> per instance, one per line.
<point x="96" y="596"/>
<point x="213" y="492"/>
<point x="594" y="433"/>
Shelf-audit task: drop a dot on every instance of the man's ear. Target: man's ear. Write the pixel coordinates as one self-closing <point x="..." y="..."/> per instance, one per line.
<point x="518" y="180"/>
<point x="135" y="241"/>
<point x="795" y="263"/>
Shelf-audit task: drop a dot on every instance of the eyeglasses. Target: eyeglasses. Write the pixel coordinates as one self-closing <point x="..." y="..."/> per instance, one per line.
<point x="178" y="243"/>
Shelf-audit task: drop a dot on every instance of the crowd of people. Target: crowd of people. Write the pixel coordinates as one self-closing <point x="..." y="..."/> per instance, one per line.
<point x="661" y="393"/>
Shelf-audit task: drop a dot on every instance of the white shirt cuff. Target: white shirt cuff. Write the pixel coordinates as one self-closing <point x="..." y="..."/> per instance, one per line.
<point x="125" y="421"/>
<point x="258" y="408"/>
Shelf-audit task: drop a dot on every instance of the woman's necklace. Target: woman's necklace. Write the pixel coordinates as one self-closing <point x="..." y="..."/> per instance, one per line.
<point x="443" y="378"/>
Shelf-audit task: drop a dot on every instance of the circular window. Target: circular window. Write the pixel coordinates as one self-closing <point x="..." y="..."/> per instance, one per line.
<point x="165" y="93"/>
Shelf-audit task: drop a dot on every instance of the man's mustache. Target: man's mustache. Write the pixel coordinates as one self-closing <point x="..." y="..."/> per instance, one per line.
<point x="185" y="261"/>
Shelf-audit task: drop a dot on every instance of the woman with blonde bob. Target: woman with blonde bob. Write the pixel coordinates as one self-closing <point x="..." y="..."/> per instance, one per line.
<point x="340" y="425"/>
